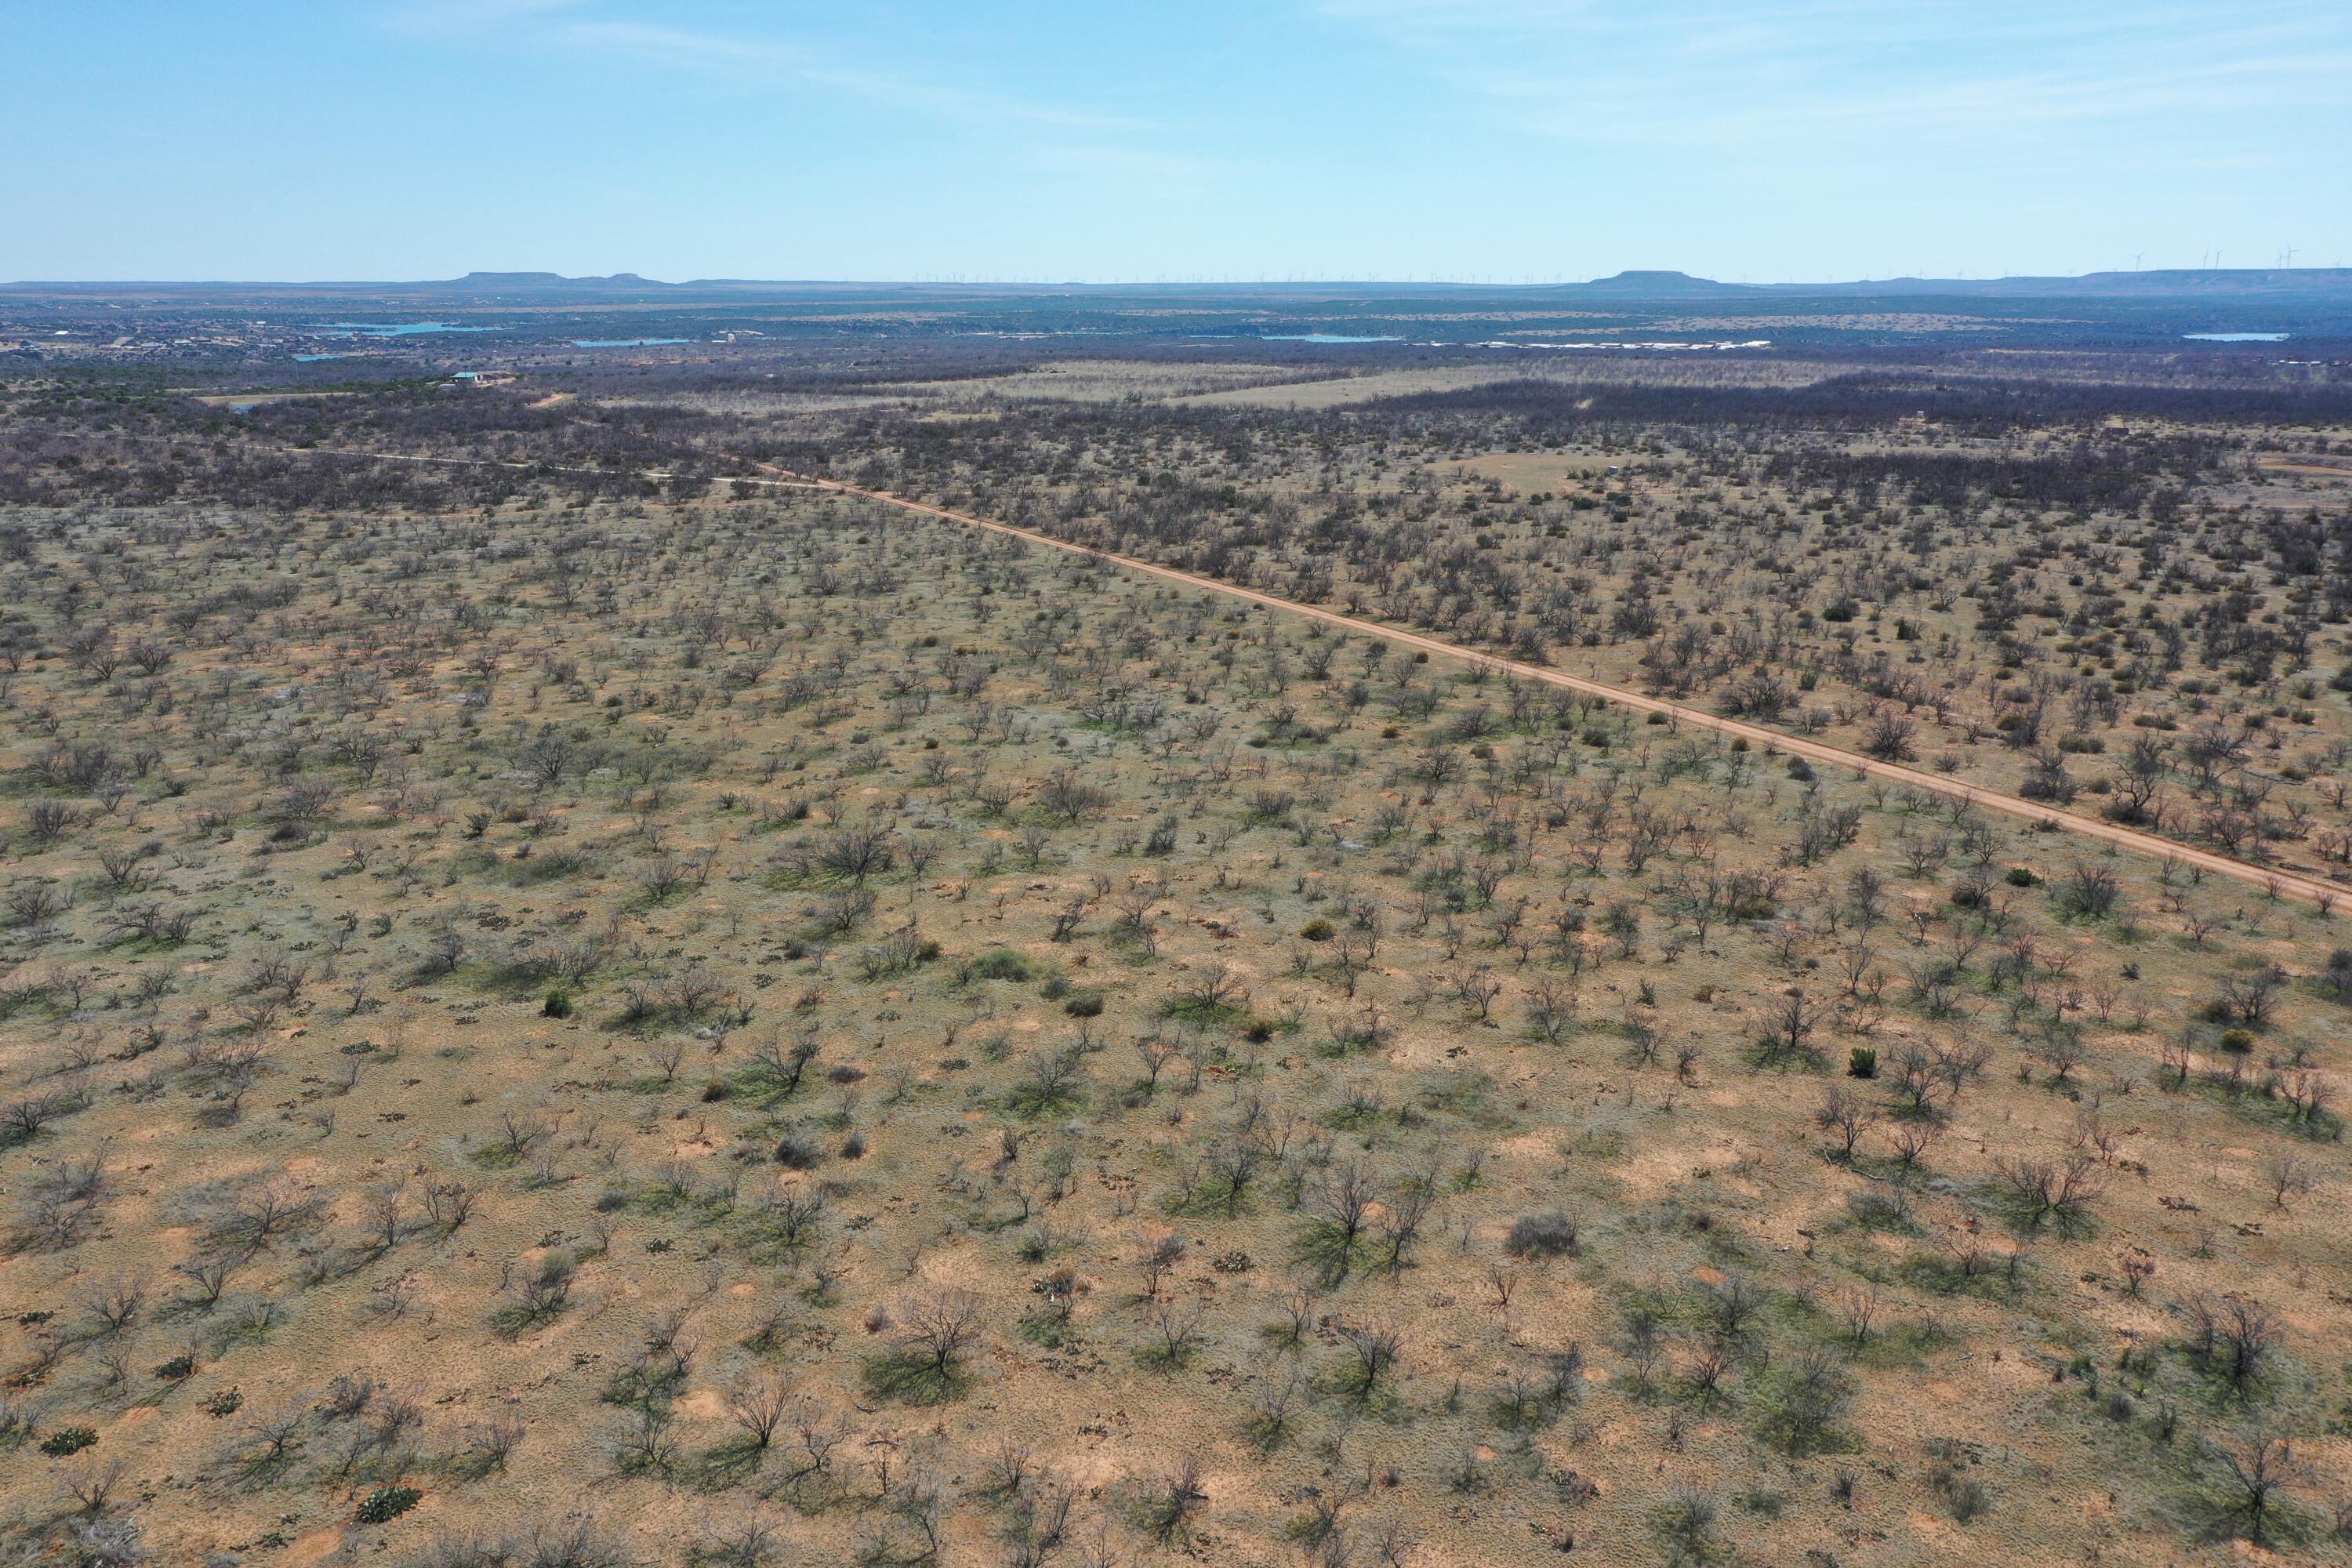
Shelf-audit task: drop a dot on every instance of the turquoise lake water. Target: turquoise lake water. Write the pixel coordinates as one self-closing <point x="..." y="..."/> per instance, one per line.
<point x="401" y="329"/>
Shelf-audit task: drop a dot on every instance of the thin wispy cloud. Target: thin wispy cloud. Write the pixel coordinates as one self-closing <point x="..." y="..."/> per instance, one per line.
<point x="1067" y="138"/>
<point x="678" y="46"/>
<point x="1983" y="111"/>
<point x="749" y="59"/>
<point x="1981" y="76"/>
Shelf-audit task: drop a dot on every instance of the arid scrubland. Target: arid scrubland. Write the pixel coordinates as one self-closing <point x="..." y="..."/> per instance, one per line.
<point x="2139" y="619"/>
<point x="561" y="1022"/>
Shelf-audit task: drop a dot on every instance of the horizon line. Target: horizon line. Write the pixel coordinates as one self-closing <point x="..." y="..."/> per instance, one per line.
<point x="491" y="278"/>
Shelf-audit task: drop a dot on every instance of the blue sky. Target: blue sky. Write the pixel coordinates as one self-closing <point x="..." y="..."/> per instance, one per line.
<point x="1489" y="139"/>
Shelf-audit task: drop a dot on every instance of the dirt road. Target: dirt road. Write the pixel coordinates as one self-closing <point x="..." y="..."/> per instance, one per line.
<point x="2284" y="883"/>
<point x="2310" y="887"/>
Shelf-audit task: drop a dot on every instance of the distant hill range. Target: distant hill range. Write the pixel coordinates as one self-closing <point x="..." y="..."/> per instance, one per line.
<point x="2308" y="284"/>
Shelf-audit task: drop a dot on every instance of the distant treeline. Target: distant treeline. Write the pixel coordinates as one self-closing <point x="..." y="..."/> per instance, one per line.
<point x="2084" y="475"/>
<point x="129" y="441"/>
<point x="1551" y="410"/>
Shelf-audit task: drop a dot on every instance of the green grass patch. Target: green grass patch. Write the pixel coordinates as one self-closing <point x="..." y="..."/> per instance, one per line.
<point x="1001" y="964"/>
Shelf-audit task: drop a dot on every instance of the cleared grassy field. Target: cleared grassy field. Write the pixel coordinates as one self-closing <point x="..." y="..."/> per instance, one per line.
<point x="1361" y="387"/>
<point x="1536" y="473"/>
<point x="1102" y="381"/>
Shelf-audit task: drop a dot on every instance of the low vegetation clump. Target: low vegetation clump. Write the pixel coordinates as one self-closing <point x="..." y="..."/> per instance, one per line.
<point x="386" y="1503"/>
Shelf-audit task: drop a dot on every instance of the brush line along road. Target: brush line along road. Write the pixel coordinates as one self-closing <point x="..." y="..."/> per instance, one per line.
<point x="2314" y="889"/>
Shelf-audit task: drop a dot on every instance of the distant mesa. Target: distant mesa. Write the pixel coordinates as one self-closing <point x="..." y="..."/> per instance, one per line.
<point x="2326" y="286"/>
<point x="2312" y="282"/>
<point x="1633" y="286"/>
<point x="532" y="281"/>
<point x="1658" y="285"/>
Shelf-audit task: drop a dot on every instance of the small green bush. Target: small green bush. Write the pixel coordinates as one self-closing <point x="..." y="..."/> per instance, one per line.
<point x="1000" y="964"/>
<point x="68" y="1440"/>
<point x="1862" y="1062"/>
<point x="1542" y="1236"/>
<point x="557" y="1006"/>
<point x="387" y="1503"/>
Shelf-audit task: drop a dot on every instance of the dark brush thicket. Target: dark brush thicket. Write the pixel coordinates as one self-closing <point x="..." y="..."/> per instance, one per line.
<point x="1548" y="410"/>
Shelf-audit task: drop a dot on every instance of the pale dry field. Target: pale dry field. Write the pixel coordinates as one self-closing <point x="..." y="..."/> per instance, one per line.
<point x="1102" y="381"/>
<point x="1565" y="368"/>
